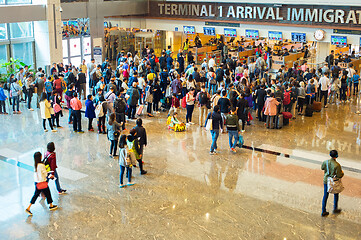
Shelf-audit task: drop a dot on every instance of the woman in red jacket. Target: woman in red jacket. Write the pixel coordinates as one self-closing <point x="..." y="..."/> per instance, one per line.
<point x="50" y="157"/>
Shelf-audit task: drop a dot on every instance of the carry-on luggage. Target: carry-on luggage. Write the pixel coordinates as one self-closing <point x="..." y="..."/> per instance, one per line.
<point x="309" y="111"/>
<point x="140" y="110"/>
<point x="287" y="115"/>
<point x="317" y="106"/>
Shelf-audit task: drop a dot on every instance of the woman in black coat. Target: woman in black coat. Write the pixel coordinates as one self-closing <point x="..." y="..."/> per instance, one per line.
<point x="157" y="95"/>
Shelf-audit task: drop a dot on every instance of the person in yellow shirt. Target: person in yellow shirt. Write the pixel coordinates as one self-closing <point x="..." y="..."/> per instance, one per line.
<point x="83" y="68"/>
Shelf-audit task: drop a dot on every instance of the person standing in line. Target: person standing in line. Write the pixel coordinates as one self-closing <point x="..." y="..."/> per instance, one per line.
<point x="133" y="145"/>
<point x="232" y="124"/>
<point x="325" y="83"/>
<point x="270" y="110"/>
<point x="50" y="157"/>
<point x="113" y="128"/>
<point x="142" y="135"/>
<point x="120" y="106"/>
<point x="217" y="125"/>
<point x="125" y="161"/>
<point x="81" y="83"/>
<point x="355" y="80"/>
<point x="133" y="98"/>
<point x="15" y="92"/>
<point x="76" y="106"/>
<point x="203" y="99"/>
<point x="90" y="112"/>
<point x="301" y="98"/>
<point x="46" y="111"/>
<point x="190" y="106"/>
<point x="69" y="94"/>
<point x="40" y="178"/>
<point x="30" y="88"/>
<point x="242" y="110"/>
<point x="58" y="111"/>
<point x="91" y="66"/>
<point x="331" y="168"/>
<point x="40" y="85"/>
<point x="261" y="98"/>
<point x="3" y="98"/>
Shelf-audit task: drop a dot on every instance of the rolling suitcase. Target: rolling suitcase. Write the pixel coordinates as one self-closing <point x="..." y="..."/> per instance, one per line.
<point x="317" y="106"/>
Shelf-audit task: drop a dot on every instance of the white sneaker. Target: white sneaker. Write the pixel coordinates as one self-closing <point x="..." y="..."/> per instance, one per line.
<point x="30" y="109"/>
<point x="243" y="131"/>
<point x="45" y="130"/>
<point x="54" y="130"/>
<point x="191" y="123"/>
<point x="188" y="124"/>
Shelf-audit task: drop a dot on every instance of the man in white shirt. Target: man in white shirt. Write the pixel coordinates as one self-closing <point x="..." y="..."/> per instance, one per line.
<point x="350" y="73"/>
<point x="211" y="63"/>
<point x="324" y="83"/>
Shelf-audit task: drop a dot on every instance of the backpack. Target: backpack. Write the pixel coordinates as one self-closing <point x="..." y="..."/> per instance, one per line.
<point x="327" y="58"/>
<point x="287" y="98"/>
<point x="63" y="85"/>
<point x="203" y="99"/>
<point x="46" y="162"/>
<point x="219" y="74"/>
<point x="66" y="77"/>
<point x="184" y="102"/>
<point x="99" y="110"/>
<point x="119" y="105"/>
<point x="48" y="87"/>
<point x="7" y="86"/>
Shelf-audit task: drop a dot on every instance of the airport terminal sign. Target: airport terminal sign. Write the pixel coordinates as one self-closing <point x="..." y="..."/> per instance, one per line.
<point x="314" y="15"/>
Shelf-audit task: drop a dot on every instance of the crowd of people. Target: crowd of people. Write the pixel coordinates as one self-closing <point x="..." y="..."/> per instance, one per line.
<point x="226" y="97"/>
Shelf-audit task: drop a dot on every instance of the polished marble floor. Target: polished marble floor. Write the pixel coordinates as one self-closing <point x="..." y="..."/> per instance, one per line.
<point x="272" y="189"/>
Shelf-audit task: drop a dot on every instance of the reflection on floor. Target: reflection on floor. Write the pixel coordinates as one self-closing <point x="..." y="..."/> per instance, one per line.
<point x="270" y="190"/>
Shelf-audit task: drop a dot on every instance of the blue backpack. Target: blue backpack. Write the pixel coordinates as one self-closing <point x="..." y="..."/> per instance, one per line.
<point x="48" y="87"/>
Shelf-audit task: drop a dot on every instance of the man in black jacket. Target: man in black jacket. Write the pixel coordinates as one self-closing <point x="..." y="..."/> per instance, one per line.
<point x="82" y="84"/>
<point x="142" y="135"/>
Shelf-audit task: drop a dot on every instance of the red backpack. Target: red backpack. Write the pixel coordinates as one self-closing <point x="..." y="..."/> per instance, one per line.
<point x="287" y="98"/>
<point x="184" y="102"/>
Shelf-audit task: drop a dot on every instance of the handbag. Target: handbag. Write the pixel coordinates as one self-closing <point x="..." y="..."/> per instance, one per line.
<point x="42" y="185"/>
<point x="334" y="185"/>
<point x="56" y="106"/>
<point x="209" y="125"/>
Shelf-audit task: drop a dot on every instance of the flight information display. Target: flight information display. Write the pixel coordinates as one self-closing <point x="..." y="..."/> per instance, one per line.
<point x="209" y="31"/>
<point x="254" y="34"/>
<point x="339" y="40"/>
<point x="299" y="37"/>
<point x="275" y="36"/>
<point x="189" y="29"/>
<point x="230" y="32"/>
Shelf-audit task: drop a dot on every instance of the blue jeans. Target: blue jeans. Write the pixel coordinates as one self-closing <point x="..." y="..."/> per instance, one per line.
<point x="16" y="102"/>
<point x="325" y="197"/>
<point x="70" y="115"/>
<point x="57" y="184"/>
<point x="129" y="174"/>
<point x="215" y="134"/>
<point x="231" y="135"/>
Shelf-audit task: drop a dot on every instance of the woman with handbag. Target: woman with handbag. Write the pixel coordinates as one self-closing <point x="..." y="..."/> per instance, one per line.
<point x="331" y="182"/>
<point x="41" y="184"/>
<point x="46" y="111"/>
<point x="57" y="109"/>
<point x="126" y="161"/>
<point x="113" y="128"/>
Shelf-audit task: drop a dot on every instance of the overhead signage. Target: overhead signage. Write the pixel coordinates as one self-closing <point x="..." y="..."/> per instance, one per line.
<point x="312" y="15"/>
<point x="253" y="34"/>
<point x="230" y="32"/>
<point x="272" y="35"/>
<point x="189" y="29"/>
<point x="223" y="24"/>
<point x="345" y="31"/>
<point x="211" y="31"/>
<point x="298" y="37"/>
<point x="339" y="40"/>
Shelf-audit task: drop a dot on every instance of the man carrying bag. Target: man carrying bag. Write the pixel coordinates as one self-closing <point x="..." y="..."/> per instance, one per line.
<point x="332" y="182"/>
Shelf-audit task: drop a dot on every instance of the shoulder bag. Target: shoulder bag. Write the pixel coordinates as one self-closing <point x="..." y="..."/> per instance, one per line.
<point x="334" y="184"/>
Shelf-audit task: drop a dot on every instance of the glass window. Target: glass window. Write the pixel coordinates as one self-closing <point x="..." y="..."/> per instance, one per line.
<point x="87" y="58"/>
<point x="86" y="45"/>
<point x="75" y="47"/>
<point x="3" y="57"/>
<point x="65" y="48"/>
<point x="3" y="32"/>
<point x="23" y="52"/>
<point x="65" y="61"/>
<point x="18" y="1"/>
<point x="76" y="61"/>
<point x="21" y="30"/>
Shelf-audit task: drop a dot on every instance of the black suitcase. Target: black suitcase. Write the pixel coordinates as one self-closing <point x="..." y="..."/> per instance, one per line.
<point x="309" y="111"/>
